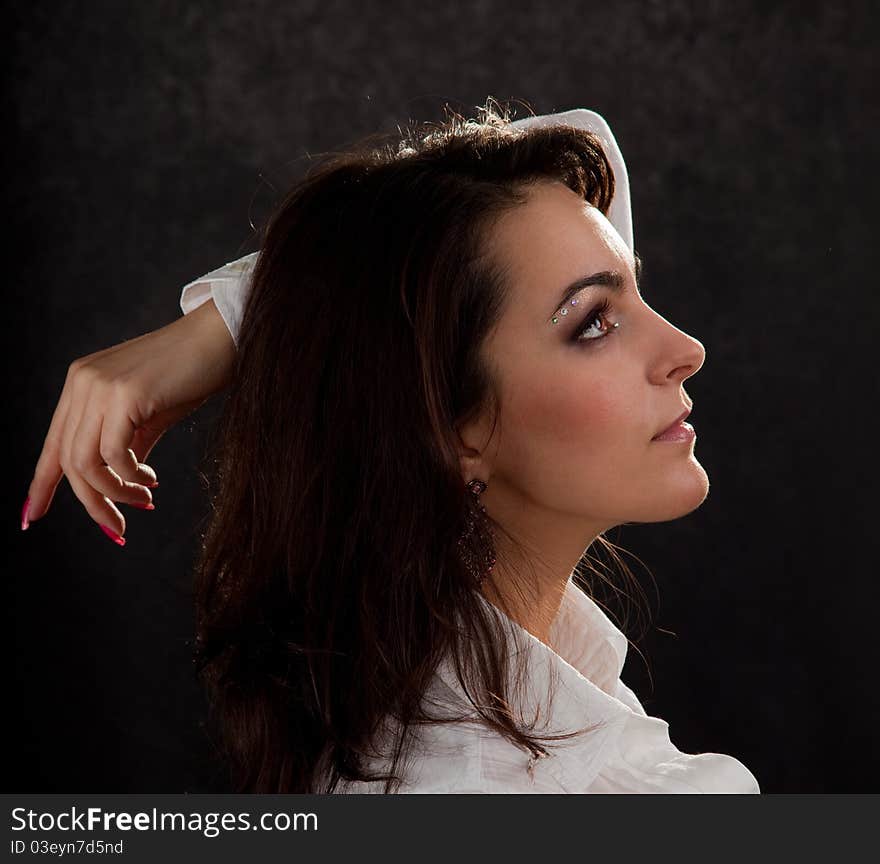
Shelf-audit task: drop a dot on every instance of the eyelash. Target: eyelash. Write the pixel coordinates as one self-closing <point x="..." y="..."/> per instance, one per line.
<point x="600" y="311"/>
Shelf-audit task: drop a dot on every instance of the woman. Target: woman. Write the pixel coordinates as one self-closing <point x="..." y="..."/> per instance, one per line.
<point x="445" y="388"/>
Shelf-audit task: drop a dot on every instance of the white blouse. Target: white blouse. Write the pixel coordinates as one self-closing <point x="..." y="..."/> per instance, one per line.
<point x="630" y="751"/>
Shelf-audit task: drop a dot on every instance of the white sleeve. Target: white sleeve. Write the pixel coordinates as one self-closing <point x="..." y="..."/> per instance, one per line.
<point x="228" y="285"/>
<point x="620" y="211"/>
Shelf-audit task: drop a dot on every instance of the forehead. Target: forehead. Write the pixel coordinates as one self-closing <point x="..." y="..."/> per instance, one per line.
<point x="551" y="240"/>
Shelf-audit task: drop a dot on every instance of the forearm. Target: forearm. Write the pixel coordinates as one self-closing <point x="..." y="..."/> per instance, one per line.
<point x="209" y="342"/>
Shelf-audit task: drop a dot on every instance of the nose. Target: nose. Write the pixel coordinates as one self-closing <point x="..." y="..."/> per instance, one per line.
<point x="681" y="356"/>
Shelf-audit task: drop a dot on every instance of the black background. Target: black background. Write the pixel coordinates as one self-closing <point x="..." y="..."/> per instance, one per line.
<point x="146" y="136"/>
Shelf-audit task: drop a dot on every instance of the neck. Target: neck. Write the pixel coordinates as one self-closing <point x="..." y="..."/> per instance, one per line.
<point x="529" y="589"/>
<point x="536" y="554"/>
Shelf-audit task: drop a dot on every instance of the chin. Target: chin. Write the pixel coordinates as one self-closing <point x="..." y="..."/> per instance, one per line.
<point x="692" y="491"/>
<point x="680" y="495"/>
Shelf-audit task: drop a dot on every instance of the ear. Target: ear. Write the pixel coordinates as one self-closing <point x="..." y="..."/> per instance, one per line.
<point x="471" y="467"/>
<point x="473" y="452"/>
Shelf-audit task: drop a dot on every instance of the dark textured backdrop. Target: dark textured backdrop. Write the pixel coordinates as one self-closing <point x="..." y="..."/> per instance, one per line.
<point x="145" y="136"/>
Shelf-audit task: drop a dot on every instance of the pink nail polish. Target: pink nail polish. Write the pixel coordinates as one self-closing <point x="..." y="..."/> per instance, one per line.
<point x="24" y="513"/>
<point x="149" y="506"/>
<point x="120" y="541"/>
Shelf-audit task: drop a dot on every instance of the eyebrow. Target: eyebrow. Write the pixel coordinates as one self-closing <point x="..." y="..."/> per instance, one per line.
<point x="612" y="279"/>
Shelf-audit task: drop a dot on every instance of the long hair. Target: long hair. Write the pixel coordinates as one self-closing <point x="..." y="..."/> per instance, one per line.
<point x="330" y="582"/>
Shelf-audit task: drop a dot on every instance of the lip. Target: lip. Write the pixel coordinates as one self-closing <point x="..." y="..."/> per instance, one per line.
<point x="681" y="417"/>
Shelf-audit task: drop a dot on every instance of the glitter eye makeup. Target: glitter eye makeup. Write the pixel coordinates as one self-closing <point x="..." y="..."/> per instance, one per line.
<point x="563" y="311"/>
<point x="597" y="313"/>
<point x="612" y="280"/>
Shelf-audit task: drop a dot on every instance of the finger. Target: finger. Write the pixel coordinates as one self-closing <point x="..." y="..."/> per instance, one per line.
<point x="48" y="472"/>
<point x="101" y="509"/>
<point x="118" y="434"/>
<point x="145" y="439"/>
<point x="88" y="465"/>
<point x="79" y="461"/>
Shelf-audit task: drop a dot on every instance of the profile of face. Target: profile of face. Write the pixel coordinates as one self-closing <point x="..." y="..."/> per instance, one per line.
<point x="581" y="400"/>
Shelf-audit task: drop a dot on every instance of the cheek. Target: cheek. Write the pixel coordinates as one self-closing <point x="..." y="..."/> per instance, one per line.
<point x="555" y="418"/>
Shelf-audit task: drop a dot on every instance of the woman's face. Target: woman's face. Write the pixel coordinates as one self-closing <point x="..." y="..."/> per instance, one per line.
<point x="573" y="453"/>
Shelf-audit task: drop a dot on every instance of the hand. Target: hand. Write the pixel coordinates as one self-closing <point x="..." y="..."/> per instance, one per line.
<point x="115" y="406"/>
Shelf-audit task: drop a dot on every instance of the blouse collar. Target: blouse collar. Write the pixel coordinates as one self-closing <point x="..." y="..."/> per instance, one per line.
<point x="581" y="670"/>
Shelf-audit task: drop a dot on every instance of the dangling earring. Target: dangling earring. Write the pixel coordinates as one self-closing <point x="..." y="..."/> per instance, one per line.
<point x="476" y="541"/>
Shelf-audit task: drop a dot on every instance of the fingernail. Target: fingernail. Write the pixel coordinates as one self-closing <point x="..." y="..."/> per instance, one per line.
<point x="149" y="506"/>
<point x="120" y="541"/>
<point x="24" y="513"/>
<point x="152" y="485"/>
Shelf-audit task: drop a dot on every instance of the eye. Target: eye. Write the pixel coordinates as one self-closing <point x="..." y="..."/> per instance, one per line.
<point x="591" y="330"/>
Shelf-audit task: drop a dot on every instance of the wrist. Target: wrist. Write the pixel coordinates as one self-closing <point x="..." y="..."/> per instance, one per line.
<point x="209" y="341"/>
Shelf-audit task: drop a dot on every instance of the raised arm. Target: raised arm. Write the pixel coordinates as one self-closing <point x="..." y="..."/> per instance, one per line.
<point x="229" y="285"/>
<point x="118" y="402"/>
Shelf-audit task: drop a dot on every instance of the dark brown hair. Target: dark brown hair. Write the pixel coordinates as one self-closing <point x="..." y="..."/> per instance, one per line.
<point x="330" y="584"/>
